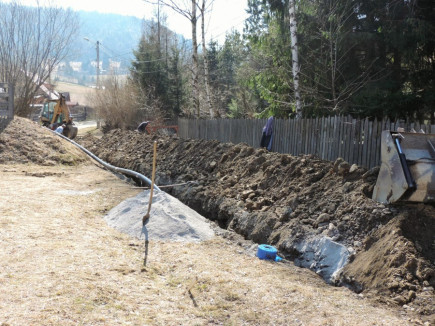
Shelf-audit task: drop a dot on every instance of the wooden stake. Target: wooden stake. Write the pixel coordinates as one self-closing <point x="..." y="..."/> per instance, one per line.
<point x="147" y="215"/>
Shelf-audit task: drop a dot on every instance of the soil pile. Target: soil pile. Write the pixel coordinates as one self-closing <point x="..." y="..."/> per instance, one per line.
<point x="24" y="141"/>
<point x="283" y="200"/>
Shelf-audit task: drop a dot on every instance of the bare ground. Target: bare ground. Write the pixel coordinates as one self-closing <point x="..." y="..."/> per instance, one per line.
<point x="62" y="265"/>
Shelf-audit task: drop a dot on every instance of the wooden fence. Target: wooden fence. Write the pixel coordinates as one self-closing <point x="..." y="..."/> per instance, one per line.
<point x="356" y="141"/>
<point x="6" y="105"/>
<point x="6" y="101"/>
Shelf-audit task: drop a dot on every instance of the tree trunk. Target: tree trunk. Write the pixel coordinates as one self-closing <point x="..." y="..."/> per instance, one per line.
<point x="204" y="50"/>
<point x="195" y="92"/>
<point x="295" y="59"/>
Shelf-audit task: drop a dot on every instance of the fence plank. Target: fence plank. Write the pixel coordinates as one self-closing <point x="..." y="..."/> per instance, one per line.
<point x="328" y="138"/>
<point x="378" y="140"/>
<point x="294" y="136"/>
<point x="334" y="137"/>
<point x="332" y="145"/>
<point x="365" y="142"/>
<point x="349" y="137"/>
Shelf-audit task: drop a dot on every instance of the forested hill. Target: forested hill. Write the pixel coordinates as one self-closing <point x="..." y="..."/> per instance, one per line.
<point x="117" y="34"/>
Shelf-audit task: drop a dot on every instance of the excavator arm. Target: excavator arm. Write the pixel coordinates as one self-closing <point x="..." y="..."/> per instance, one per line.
<point x="61" y="108"/>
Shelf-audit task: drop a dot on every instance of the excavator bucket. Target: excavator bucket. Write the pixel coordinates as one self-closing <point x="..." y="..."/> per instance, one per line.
<point x="70" y="131"/>
<point x="407" y="170"/>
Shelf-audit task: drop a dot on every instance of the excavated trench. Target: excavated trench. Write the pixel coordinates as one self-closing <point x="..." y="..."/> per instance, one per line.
<point x="317" y="213"/>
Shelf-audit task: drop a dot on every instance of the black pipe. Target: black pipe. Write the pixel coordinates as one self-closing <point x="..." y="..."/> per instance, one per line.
<point x="110" y="166"/>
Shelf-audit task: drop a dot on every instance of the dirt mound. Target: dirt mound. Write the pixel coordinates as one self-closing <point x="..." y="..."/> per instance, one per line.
<point x="282" y="200"/>
<point x="396" y="260"/>
<point x="24" y="141"/>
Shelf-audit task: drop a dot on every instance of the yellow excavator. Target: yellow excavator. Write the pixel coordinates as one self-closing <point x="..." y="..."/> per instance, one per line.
<point x="407" y="170"/>
<point x="55" y="113"/>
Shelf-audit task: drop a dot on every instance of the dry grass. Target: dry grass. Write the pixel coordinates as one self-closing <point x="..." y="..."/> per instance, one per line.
<point x="62" y="265"/>
<point x="78" y="93"/>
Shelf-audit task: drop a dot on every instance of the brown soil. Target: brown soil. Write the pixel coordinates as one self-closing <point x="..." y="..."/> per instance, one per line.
<point x="62" y="265"/>
<point x="24" y="141"/>
<point x="281" y="199"/>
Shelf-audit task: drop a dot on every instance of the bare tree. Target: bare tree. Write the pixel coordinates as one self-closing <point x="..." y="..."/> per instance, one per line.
<point x="204" y="52"/>
<point x="32" y="43"/>
<point x="295" y="59"/>
<point x="121" y="104"/>
<point x="187" y="8"/>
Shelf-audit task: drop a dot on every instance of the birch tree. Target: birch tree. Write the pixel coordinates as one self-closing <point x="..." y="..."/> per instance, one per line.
<point x="204" y="52"/>
<point x="295" y="58"/>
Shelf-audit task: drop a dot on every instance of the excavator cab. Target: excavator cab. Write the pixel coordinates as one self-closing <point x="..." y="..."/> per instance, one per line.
<point x="47" y="112"/>
<point x="56" y="112"/>
<point x="407" y="170"/>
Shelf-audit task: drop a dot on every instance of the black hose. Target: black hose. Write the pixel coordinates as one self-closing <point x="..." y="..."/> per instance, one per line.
<point x="109" y="166"/>
<point x="408" y="176"/>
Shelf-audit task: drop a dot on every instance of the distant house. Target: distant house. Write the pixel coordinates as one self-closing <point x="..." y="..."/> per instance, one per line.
<point x="94" y="64"/>
<point x="76" y="65"/>
<point x="114" y="65"/>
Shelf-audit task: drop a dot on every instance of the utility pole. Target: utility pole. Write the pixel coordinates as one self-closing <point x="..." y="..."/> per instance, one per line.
<point x="97" y="45"/>
<point x="98" y="64"/>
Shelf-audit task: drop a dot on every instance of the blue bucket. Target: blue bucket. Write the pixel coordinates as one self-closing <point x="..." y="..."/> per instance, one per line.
<point x="266" y="252"/>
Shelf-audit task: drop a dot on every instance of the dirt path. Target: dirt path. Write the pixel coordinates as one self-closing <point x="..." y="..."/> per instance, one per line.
<point x="60" y="264"/>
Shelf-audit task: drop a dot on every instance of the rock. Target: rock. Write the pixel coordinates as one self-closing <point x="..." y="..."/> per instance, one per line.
<point x="323" y="218"/>
<point x="411" y="296"/>
<point x="333" y="232"/>
<point x="343" y="168"/>
<point x="353" y="168"/>
<point x="294" y="203"/>
<point x="347" y="187"/>
<point x="231" y="181"/>
<point x="330" y="208"/>
<point x="399" y="300"/>
<point x="371" y="174"/>
<point x="357" y="244"/>
<point x="286" y="215"/>
<point x="245" y="194"/>
<point x="213" y="164"/>
<point x="393" y="285"/>
<point x="337" y="162"/>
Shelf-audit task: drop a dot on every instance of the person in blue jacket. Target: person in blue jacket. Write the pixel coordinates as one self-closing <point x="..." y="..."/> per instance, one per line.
<point x="60" y="129"/>
<point x="267" y="136"/>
